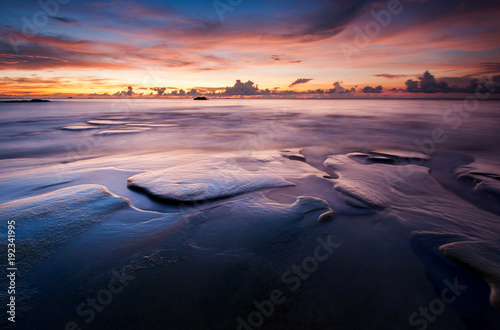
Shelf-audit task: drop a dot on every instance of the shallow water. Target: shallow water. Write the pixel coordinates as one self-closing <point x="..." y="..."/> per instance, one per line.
<point x="390" y="177"/>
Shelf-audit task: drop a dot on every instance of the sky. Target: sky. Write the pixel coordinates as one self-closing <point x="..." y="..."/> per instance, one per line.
<point x="258" y="48"/>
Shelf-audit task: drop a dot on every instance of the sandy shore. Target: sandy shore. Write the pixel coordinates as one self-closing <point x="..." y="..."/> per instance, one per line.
<point x="271" y="219"/>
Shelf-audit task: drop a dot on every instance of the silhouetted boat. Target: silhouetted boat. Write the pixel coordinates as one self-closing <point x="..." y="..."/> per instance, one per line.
<point x="200" y="98"/>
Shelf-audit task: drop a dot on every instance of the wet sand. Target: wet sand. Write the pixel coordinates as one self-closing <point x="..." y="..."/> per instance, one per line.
<point x="278" y="214"/>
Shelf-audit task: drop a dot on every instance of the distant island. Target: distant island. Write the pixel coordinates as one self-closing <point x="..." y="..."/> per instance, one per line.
<point x="32" y="100"/>
<point x="200" y="98"/>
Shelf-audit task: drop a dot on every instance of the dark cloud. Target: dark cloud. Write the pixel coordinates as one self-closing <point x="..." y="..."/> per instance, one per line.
<point x="457" y="81"/>
<point x="209" y="89"/>
<point x="411" y="86"/>
<point x="429" y="11"/>
<point x="249" y="88"/>
<point x="300" y="81"/>
<point x="329" y="20"/>
<point x="193" y="92"/>
<point x="337" y="88"/>
<point x="277" y="57"/>
<point x="128" y="92"/>
<point x="428" y="84"/>
<point x="391" y="76"/>
<point x="297" y="61"/>
<point x="26" y="80"/>
<point x="160" y="91"/>
<point x="35" y="81"/>
<point x="44" y="52"/>
<point x="64" y="19"/>
<point x="491" y="85"/>
<point x="240" y="88"/>
<point x="369" y="89"/>
<point x="47" y="51"/>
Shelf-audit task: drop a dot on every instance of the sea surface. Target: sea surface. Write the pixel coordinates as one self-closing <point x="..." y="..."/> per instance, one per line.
<point x="245" y="213"/>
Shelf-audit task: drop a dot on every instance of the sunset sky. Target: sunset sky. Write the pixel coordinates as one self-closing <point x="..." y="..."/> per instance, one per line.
<point x="80" y="48"/>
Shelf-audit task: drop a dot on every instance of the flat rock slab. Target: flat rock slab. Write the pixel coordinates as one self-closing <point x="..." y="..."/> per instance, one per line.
<point x="47" y="221"/>
<point x="376" y="185"/>
<point x="122" y="131"/>
<point x="484" y="173"/>
<point x="482" y="257"/>
<point x="220" y="176"/>
<point x="78" y="128"/>
<point x="106" y="122"/>
<point x="404" y="154"/>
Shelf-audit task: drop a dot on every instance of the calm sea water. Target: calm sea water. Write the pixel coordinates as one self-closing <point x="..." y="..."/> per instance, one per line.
<point x="34" y="130"/>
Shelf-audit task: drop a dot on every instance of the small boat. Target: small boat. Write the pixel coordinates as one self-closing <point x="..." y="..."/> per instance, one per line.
<point x="200" y="98"/>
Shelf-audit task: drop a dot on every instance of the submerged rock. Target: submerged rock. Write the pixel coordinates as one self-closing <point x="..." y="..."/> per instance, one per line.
<point x="403" y="154"/>
<point x="256" y="222"/>
<point x="123" y="131"/>
<point x="327" y="216"/>
<point x="483" y="258"/>
<point x="484" y="174"/>
<point x="152" y="125"/>
<point x="490" y="186"/>
<point x="217" y="177"/>
<point x="106" y="122"/>
<point x="78" y="128"/>
<point x="293" y="155"/>
<point x="50" y="220"/>
<point x="389" y="156"/>
<point x="411" y="193"/>
<point x="192" y="183"/>
<point x="375" y="185"/>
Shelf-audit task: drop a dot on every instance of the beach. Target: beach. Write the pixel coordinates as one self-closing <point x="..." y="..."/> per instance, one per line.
<point x="252" y="213"/>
